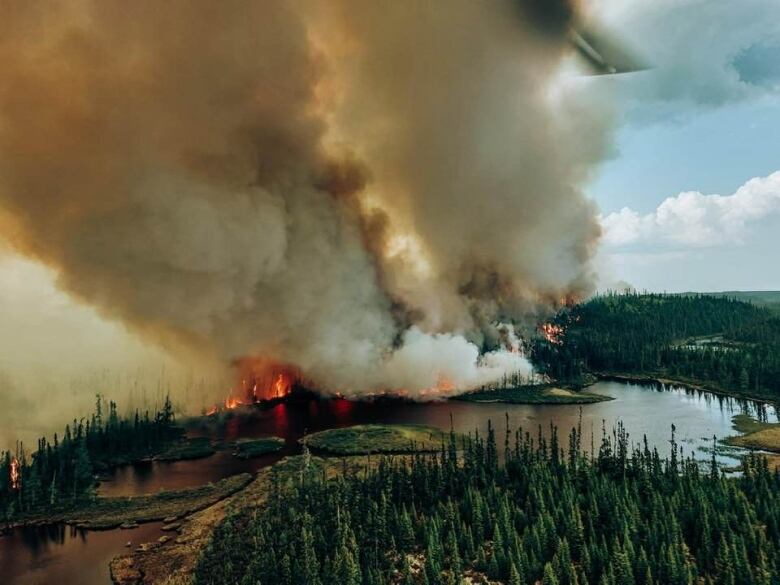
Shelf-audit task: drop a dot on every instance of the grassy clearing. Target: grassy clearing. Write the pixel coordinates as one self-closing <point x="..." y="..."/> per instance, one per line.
<point x="194" y="448"/>
<point x="248" y="448"/>
<point x="767" y="439"/>
<point x="758" y="435"/>
<point x="541" y="394"/>
<point x="364" y="439"/>
<point x="745" y="424"/>
<point x="755" y="434"/>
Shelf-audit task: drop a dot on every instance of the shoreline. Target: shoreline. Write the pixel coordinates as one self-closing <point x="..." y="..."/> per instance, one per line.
<point x="176" y="559"/>
<point x="539" y="394"/>
<point x="111" y="513"/>
<point x="756" y="436"/>
<point x="689" y="384"/>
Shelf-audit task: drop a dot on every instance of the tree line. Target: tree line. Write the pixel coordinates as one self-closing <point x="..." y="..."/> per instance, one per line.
<point x="543" y="512"/>
<point x="656" y="334"/>
<point x="61" y="472"/>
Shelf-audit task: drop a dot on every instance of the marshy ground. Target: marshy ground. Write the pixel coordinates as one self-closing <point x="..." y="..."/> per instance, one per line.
<point x="377" y="438"/>
<point x="248" y="448"/>
<point x="758" y="435"/>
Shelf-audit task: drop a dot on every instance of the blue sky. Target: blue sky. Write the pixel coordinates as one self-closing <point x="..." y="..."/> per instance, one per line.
<point x="713" y="152"/>
<point x="705" y="120"/>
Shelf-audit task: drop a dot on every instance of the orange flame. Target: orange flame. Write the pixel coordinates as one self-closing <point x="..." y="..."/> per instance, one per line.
<point x="259" y="379"/>
<point x="443" y="387"/>
<point x="282" y="385"/>
<point x="232" y="403"/>
<point x="264" y="379"/>
<point x="16" y="475"/>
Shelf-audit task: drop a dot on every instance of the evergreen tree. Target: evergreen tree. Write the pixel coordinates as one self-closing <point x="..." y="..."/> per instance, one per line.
<point x="549" y="577"/>
<point x="667" y="517"/>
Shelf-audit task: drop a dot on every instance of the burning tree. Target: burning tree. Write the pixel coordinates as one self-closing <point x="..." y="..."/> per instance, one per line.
<point x="259" y="379"/>
<point x="15" y="475"/>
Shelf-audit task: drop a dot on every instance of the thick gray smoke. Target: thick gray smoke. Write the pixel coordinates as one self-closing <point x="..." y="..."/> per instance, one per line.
<point x="354" y="189"/>
<point x="471" y="160"/>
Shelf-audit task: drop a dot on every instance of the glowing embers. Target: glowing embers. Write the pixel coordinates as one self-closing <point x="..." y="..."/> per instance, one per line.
<point x="552" y="333"/>
<point x="444" y="385"/>
<point x="16" y="475"/>
<point x="232" y="403"/>
<point x="443" y="388"/>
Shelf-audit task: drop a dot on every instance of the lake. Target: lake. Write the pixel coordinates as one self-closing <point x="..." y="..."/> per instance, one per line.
<point x="64" y="555"/>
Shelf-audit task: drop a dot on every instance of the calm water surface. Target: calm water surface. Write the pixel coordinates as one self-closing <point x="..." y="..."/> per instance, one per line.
<point x="65" y="556"/>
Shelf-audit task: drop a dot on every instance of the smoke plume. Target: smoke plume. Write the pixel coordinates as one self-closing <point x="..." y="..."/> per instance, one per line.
<point x="358" y="190"/>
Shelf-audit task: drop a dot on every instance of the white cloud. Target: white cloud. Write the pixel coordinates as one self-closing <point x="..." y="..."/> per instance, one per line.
<point x="694" y="220"/>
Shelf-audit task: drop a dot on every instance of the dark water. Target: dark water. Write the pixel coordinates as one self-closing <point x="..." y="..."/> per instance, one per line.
<point x="643" y="410"/>
<point x="63" y="555"/>
<point x="81" y="558"/>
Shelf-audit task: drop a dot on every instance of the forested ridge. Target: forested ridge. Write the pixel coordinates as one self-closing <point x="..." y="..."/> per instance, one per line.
<point x="61" y="472"/>
<point x="661" y="334"/>
<point x="544" y="514"/>
<point x="767" y="299"/>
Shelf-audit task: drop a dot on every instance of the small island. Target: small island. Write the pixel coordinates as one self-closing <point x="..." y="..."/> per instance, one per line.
<point x="249" y="448"/>
<point x="373" y="438"/>
<point x="187" y="448"/>
<point x="536" y="394"/>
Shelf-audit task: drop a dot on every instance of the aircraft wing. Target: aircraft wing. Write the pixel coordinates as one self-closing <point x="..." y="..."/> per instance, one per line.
<point x="604" y="54"/>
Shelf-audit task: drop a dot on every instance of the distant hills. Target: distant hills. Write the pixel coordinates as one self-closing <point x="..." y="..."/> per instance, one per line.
<point x="762" y="298"/>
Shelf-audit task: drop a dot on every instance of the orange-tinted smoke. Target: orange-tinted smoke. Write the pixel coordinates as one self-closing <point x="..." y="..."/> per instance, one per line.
<point x="318" y="183"/>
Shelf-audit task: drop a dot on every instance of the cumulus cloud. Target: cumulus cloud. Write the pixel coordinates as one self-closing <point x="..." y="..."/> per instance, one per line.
<point x="706" y="55"/>
<point x="693" y="219"/>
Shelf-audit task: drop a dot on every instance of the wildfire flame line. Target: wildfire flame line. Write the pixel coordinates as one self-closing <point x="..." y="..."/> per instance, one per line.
<point x="262" y="381"/>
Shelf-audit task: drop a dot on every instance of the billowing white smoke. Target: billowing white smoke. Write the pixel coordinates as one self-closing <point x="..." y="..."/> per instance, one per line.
<point x="354" y="191"/>
<point x="428" y="366"/>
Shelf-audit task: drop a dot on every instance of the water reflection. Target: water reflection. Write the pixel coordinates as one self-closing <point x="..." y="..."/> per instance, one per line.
<point x="645" y="410"/>
<point x="66" y="555"/>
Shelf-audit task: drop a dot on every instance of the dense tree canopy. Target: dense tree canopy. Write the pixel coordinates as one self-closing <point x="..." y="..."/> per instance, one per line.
<point x="61" y="472"/>
<point x="546" y="515"/>
<point x="661" y="334"/>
